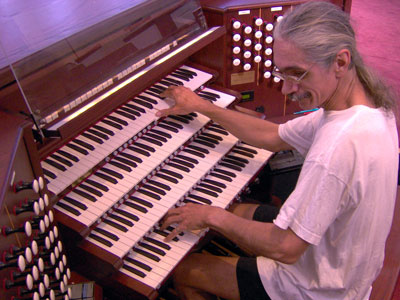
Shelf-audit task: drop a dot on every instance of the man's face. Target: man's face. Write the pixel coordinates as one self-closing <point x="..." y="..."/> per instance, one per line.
<point x="314" y="88"/>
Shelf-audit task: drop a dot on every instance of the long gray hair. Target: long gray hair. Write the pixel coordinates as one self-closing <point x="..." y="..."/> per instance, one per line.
<point x="321" y="30"/>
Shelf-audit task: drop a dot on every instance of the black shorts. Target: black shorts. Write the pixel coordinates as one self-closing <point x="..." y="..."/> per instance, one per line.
<point x="249" y="282"/>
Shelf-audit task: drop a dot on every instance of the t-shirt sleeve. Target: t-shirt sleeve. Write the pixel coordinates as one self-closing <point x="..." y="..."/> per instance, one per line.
<point x="314" y="204"/>
<point x="299" y="132"/>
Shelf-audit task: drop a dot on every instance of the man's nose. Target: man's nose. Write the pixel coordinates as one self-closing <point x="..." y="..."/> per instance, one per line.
<point x="289" y="87"/>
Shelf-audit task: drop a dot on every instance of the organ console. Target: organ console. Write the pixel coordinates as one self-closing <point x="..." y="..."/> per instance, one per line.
<point x="87" y="169"/>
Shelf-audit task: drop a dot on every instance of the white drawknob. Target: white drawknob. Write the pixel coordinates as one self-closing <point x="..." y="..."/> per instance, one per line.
<point x="258" y="34"/>
<point x="236" y="25"/>
<point x="269" y="39"/>
<point x="257" y="47"/>
<point x="247" y="43"/>
<point x="278" y="19"/>
<point x="236" y="50"/>
<point x="259" y="21"/>
<point x="276" y="79"/>
<point x="248" y="30"/>
<point x="236" y="62"/>
<point x="247" y="54"/>
<point x="257" y="59"/>
<point x="246" y="67"/>
<point x="268" y="51"/>
<point x="268" y="63"/>
<point x="236" y="37"/>
<point x="267" y="74"/>
<point x="269" y="27"/>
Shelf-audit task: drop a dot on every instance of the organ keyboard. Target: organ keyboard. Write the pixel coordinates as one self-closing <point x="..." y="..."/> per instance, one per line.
<point x="111" y="169"/>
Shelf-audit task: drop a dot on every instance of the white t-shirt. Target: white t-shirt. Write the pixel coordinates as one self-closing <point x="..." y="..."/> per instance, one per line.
<point x="342" y="205"/>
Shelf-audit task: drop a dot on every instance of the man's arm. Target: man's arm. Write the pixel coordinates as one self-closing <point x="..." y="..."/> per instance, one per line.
<point x="252" y="130"/>
<point x="262" y="239"/>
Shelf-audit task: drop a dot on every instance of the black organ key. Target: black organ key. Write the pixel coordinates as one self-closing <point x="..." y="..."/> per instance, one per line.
<point x="150" y="194"/>
<point x="212" y="136"/>
<point x="227" y="173"/>
<point x="118" y="120"/>
<point x="183" y="73"/>
<point x="183" y="163"/>
<point x="230" y="166"/>
<point x="55" y="164"/>
<point x="167" y="127"/>
<point x="136" y="206"/>
<point x="179" y="119"/>
<point x="244" y="153"/>
<point x="172" y="173"/>
<point x="167" y="83"/>
<point x="92" y="138"/>
<point x="243" y="160"/>
<point x="151" y="140"/>
<point x="138" y="263"/>
<point x="91" y="190"/>
<point x="234" y="162"/>
<point x="139" y="150"/>
<point x="49" y="173"/>
<point x="207" y="139"/>
<point x="197" y="148"/>
<point x="141" y="201"/>
<point x="196" y="153"/>
<point x="201" y="199"/>
<point x="210" y="181"/>
<point x="208" y="192"/>
<point x="166" y="177"/>
<point x="157" y="137"/>
<point x="207" y="97"/>
<point x="162" y="133"/>
<point x="145" y="147"/>
<point x="148" y="99"/>
<point x="156" y="90"/>
<point x="153" y="189"/>
<point x="217" y="130"/>
<point x="164" y="234"/>
<point x="69" y="208"/>
<point x="112" y="173"/>
<point x="120" y="166"/>
<point x="220" y="176"/>
<point x="85" y="195"/>
<point x="189" y="159"/>
<point x="126" y="161"/>
<point x="107" y="233"/>
<point x="143" y="103"/>
<point x="204" y="143"/>
<point x="68" y="155"/>
<point x="115" y="225"/>
<point x="188" y="71"/>
<point x="156" y="95"/>
<point x="97" y="185"/>
<point x="134" y="107"/>
<point x="171" y="123"/>
<point x="126" y="115"/>
<point x="75" y="203"/>
<point x="185" y="78"/>
<point x="101" y="240"/>
<point x="121" y="220"/>
<point x="84" y="144"/>
<point x="131" y="111"/>
<point x="159" y="184"/>
<point x="77" y="148"/>
<point x="252" y="151"/>
<point x="147" y="254"/>
<point x="158" y="243"/>
<point x="127" y="214"/>
<point x="174" y="81"/>
<point x="134" y="271"/>
<point x="106" y="177"/>
<point x="179" y="167"/>
<point x="210" y="94"/>
<point x="112" y="124"/>
<point x="98" y="133"/>
<point x="104" y="130"/>
<point x="131" y="157"/>
<point x="62" y="160"/>
<point x="210" y="187"/>
<point x="152" y="248"/>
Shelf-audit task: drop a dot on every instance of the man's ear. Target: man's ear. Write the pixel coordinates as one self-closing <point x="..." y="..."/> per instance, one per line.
<point x="342" y="62"/>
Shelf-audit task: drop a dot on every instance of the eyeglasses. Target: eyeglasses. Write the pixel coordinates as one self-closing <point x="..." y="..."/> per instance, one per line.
<point x="291" y="78"/>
